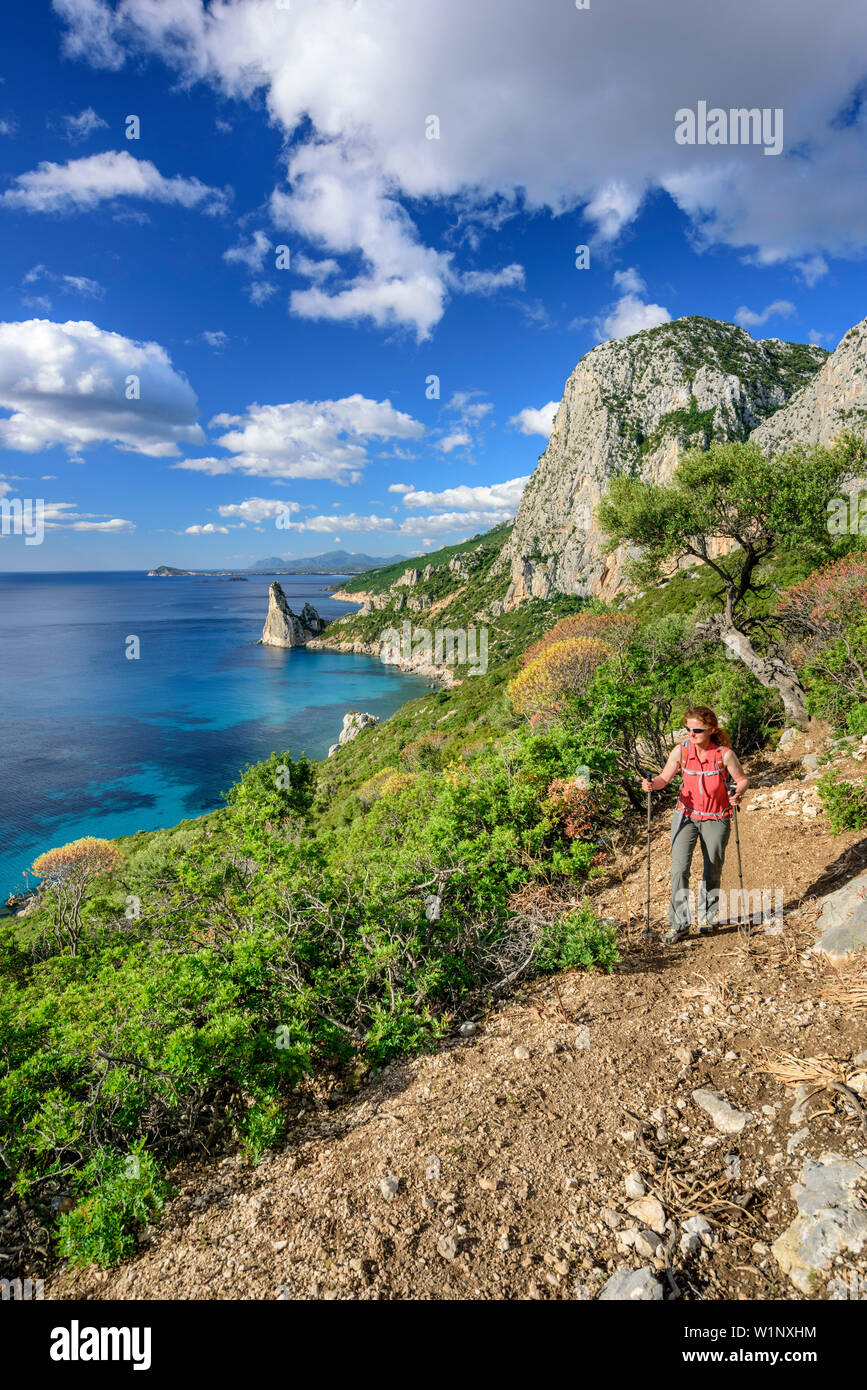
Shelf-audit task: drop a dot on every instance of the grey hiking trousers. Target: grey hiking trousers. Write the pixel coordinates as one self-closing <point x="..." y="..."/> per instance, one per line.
<point x="713" y="836"/>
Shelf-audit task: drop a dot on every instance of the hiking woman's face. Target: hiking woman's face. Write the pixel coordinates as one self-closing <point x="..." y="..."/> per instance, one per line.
<point x="699" y="735"/>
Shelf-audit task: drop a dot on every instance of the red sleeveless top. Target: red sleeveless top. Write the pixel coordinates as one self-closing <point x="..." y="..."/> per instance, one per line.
<point x="703" y="794"/>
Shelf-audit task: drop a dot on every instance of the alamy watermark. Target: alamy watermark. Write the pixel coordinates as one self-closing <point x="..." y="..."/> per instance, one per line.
<point x="447" y="646"/>
<point x="21" y="1290"/>
<point x="760" y="906"/>
<point x="740" y="125"/>
<point x="23" y="516"/>
<point x="847" y="513"/>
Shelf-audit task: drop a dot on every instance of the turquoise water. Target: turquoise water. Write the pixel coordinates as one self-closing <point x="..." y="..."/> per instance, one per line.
<point x="92" y="743"/>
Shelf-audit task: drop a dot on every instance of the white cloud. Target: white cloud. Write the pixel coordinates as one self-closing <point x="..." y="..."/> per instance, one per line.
<point x="350" y="85"/>
<point x="215" y="338"/>
<point x="251" y="254"/>
<point x="812" y="269"/>
<point x="314" y="270"/>
<point x="611" y="208"/>
<point x="342" y="202"/>
<point x="502" y="496"/>
<point x="630" y="315"/>
<point x="629" y="281"/>
<point x="83" y="184"/>
<point x="260" y="291"/>
<point x="83" y="125"/>
<point x="533" y="421"/>
<point x="438" y="524"/>
<point x="489" y="281"/>
<point x="459" y="439"/>
<point x="820" y="339"/>
<point x="748" y="318"/>
<point x="465" y="405"/>
<point x="401" y="487"/>
<point x="8" y="126"/>
<point x="257" y="509"/>
<point x="306" y="439"/>
<point x="68" y="284"/>
<point x="66" y="384"/>
<point x="209" y="529"/>
<point x="61" y="516"/>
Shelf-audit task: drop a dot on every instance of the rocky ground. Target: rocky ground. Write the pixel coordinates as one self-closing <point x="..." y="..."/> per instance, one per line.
<point x="689" y="1126"/>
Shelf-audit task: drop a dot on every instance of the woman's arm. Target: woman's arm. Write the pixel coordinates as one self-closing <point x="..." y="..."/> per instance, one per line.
<point x="733" y="767"/>
<point x="670" y="770"/>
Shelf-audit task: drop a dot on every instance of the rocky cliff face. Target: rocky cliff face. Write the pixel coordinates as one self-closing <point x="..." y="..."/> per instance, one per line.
<point x="283" y="628"/>
<point x="354" y="722"/>
<point x="634" y="405"/>
<point x="835" y="399"/>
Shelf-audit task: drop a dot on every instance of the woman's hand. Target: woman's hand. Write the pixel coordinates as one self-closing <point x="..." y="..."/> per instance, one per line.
<point x="645" y="785"/>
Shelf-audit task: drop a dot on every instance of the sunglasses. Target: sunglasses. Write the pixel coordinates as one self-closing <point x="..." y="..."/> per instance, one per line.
<point x="694" y="732"/>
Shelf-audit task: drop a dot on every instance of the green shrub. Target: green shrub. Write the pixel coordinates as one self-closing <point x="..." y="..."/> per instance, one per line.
<point x="844" y="802"/>
<point x="129" y="1193"/>
<point x="578" y="942"/>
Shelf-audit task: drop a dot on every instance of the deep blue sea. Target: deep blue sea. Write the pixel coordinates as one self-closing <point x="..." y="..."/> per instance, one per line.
<point x="92" y="743"/>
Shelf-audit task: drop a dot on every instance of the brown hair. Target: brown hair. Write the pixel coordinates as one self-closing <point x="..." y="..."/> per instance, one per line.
<point x="709" y="719"/>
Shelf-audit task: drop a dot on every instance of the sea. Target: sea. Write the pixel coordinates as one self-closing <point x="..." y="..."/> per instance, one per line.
<point x="94" y="741"/>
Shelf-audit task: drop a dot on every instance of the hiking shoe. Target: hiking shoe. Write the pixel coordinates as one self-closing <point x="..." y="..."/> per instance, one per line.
<point x="707" y="929"/>
<point x="675" y="934"/>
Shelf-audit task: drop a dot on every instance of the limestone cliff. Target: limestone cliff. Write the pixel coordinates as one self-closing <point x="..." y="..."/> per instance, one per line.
<point x="283" y="628"/>
<point x="633" y="405"/>
<point x="835" y="399"/>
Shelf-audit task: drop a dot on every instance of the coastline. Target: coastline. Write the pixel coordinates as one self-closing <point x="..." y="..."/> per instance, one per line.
<point x="441" y="675"/>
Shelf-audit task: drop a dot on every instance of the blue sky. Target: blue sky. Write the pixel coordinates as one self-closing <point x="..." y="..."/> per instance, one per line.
<point x="302" y="391"/>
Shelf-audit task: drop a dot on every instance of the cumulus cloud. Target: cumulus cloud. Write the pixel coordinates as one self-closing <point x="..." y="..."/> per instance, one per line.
<point x="77" y="128"/>
<point x="502" y="496"/>
<point x="630" y="315"/>
<point x="748" y="318"/>
<point x="458" y="439"/>
<point x="401" y="487"/>
<point x="68" y="384"/>
<point x="812" y="269"/>
<point x="312" y="269"/>
<point x="82" y="184"/>
<point x="260" y="292"/>
<point x="209" y="529"/>
<point x="251" y="254"/>
<point x="215" y="338"/>
<point x="554" y="131"/>
<point x="536" y="421"/>
<point x="467" y="407"/>
<point x="437" y="524"/>
<point x="629" y="281"/>
<point x="305" y="439"/>
<point x="257" y="509"/>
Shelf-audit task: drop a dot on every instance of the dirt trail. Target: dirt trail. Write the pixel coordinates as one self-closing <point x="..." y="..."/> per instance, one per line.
<point x="495" y="1168"/>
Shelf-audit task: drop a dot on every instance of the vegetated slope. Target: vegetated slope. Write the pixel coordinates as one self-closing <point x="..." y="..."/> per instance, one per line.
<point x="505" y="1164"/>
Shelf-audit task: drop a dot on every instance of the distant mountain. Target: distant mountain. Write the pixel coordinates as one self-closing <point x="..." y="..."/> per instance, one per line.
<point x="166" y="572"/>
<point x="330" y="562"/>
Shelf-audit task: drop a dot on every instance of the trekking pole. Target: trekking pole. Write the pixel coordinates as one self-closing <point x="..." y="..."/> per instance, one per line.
<point x="647" y="922"/>
<point x="740" y="873"/>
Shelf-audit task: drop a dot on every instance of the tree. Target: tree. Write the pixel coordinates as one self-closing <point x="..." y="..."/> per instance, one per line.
<point x="66" y="874"/>
<point x="731" y="508"/>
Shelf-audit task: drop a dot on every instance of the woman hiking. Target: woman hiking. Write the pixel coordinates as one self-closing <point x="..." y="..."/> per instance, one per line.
<point x="703" y="814"/>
